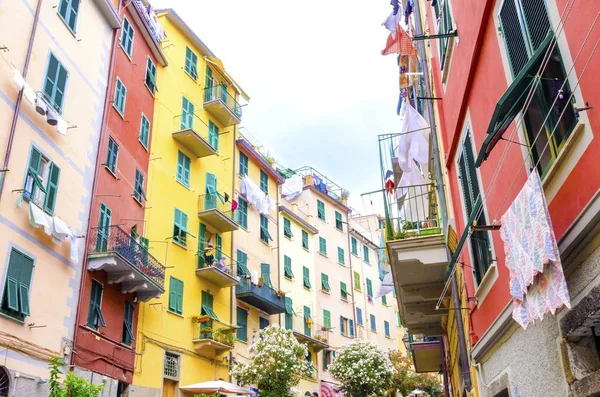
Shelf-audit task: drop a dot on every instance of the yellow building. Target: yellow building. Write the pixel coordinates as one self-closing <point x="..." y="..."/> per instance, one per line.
<point x="256" y="245"/>
<point x="47" y="174"/>
<point x="185" y="336"/>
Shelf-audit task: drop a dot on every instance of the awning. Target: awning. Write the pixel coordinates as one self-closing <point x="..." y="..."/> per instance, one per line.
<point x="511" y="103"/>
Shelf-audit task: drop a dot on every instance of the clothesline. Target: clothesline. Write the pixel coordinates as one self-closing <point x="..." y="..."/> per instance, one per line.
<point x="383" y="137"/>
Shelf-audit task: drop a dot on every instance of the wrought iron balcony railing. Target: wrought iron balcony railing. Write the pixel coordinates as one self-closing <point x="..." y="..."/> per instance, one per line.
<point x="218" y="92"/>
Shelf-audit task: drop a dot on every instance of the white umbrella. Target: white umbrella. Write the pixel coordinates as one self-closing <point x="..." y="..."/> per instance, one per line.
<point x="216" y="386"/>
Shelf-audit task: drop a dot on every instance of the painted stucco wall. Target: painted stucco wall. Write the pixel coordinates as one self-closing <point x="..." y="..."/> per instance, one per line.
<point x="54" y="286"/>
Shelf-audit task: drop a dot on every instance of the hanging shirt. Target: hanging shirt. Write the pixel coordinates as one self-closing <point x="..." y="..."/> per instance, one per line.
<point x="413" y="145"/>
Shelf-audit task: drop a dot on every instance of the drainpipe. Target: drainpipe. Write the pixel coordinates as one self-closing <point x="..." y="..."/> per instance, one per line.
<point x="278" y="250"/>
<point x="351" y="277"/>
<point x="232" y="302"/>
<point x="111" y="70"/>
<point x="13" y="126"/>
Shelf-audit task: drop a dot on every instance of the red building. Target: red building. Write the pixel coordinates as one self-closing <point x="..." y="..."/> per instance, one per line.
<point x="119" y="270"/>
<point x="517" y="82"/>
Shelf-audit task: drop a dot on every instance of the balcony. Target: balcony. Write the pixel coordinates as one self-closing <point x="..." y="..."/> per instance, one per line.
<point x="213" y="337"/>
<point x="126" y="262"/>
<point x="427" y="354"/>
<point x="315" y="336"/>
<point x="216" y="213"/>
<point x="264" y="298"/>
<point x="418" y="256"/>
<point x="193" y="134"/>
<point x="218" y="270"/>
<point x="222" y="105"/>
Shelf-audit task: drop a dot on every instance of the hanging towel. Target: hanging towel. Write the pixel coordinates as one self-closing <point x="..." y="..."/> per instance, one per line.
<point x="29" y="94"/>
<point x="254" y="277"/>
<point x="410" y="4"/>
<point x="292" y="187"/>
<point x="396" y="5"/>
<point x="40" y="105"/>
<point x="537" y="283"/>
<point x="234" y="205"/>
<point x="61" y="126"/>
<point x="18" y="80"/>
<point x="392" y="22"/>
<point x="37" y="218"/>
<point x="61" y="231"/>
<point x="413" y="146"/>
<point x="400" y="43"/>
<point x="256" y="197"/>
<point x="74" y="241"/>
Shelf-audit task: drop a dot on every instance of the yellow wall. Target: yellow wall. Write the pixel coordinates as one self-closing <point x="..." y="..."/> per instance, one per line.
<point x="159" y="329"/>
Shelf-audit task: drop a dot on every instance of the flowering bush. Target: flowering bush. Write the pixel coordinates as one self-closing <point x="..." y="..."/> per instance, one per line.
<point x="278" y="362"/>
<point x="363" y="369"/>
<point x="406" y="379"/>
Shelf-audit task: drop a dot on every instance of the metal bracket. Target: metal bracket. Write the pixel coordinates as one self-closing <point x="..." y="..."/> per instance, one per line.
<point x="452" y="33"/>
<point x="430" y="98"/>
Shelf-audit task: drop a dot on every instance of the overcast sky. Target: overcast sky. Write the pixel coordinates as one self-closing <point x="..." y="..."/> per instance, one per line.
<point x="320" y="89"/>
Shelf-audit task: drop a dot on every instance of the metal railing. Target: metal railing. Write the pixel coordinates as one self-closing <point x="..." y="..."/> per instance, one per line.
<point x="114" y="239"/>
<point x="187" y="121"/>
<point x="265" y="292"/>
<point x="214" y="330"/>
<point x="310" y="329"/>
<point x="219" y="92"/>
<point x="219" y="260"/>
<point x="412" y="212"/>
<point x="216" y="201"/>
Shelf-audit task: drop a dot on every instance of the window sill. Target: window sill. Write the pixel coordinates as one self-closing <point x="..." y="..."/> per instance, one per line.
<point x="67" y="25"/>
<point x="346" y="336"/>
<point x="195" y="79"/>
<point x="265" y="243"/>
<point x="355" y="255"/>
<point x="388" y="337"/>
<point x="179" y="244"/>
<point x="344" y="299"/>
<point x="288" y="278"/>
<point x="111" y="172"/>
<point x="144" y="146"/>
<point x="124" y="51"/>
<point x="569" y="145"/>
<point x="9" y="317"/>
<point x="341" y="264"/>
<point x="182" y="184"/>
<point x="323" y="255"/>
<point x="175" y="314"/>
<point x="289" y="237"/>
<point x="306" y="288"/>
<point x="118" y="111"/>
<point x="138" y="201"/>
<point x="486" y="284"/>
<point x="306" y="249"/>
<point x="150" y="91"/>
<point x="325" y="291"/>
<point x="245" y="342"/>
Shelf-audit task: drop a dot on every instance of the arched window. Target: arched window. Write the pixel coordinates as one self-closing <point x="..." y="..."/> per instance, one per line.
<point x="4" y="382"/>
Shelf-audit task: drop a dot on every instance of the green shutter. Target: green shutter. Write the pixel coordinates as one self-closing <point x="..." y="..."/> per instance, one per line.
<point x="144" y="131"/>
<point x="213" y="135"/>
<point x="210" y="200"/>
<point x="104" y="220"/>
<point x="95" y="316"/>
<point x="326" y="318"/>
<point x="343" y="290"/>
<point x="370" y="289"/>
<point x="320" y="210"/>
<point x="366" y="253"/>
<point x="128" y="324"/>
<point x="138" y="188"/>
<point x="338" y="221"/>
<point x="219" y="248"/>
<point x="207" y="306"/>
<point x="68" y="11"/>
<point x="55" y="83"/>
<point x="18" y="281"/>
<point x="354" y="246"/>
<point x="384" y="300"/>
<point x="242" y="212"/>
<point x="208" y="84"/>
<point x="265" y="273"/>
<point x="351" y="327"/>
<point x="264" y="182"/>
<point x="187" y="114"/>
<point x="341" y="255"/>
<point x="289" y="306"/>
<point x="306" y="277"/>
<point x="150" y="75"/>
<point x="356" y="281"/>
<point x="243" y="164"/>
<point x="325" y="282"/>
<point x="242" y="259"/>
<point x="287" y="228"/>
<point x="287" y="264"/>
<point x="201" y="245"/>
<point x="176" y="295"/>
<point x="52" y="188"/>
<point x="127" y="37"/>
<point x="265" y="236"/>
<point x="305" y="239"/>
<point x="120" y="97"/>
<point x="306" y="317"/>
<point x="112" y="155"/>
<point x="191" y="63"/>
<point x="183" y="169"/>
<point x="180" y="227"/>
<point x="342" y="325"/>
<point x="322" y="246"/>
<point x="242" y="323"/>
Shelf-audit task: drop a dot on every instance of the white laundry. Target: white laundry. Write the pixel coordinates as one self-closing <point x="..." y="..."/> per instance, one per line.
<point x="392" y="22"/>
<point x="60" y="231"/>
<point x="61" y="126"/>
<point x="413" y="191"/>
<point x="40" y="105"/>
<point x="292" y="187"/>
<point x="18" y="79"/>
<point x="256" y="197"/>
<point x="37" y="218"/>
<point x="266" y="205"/>
<point x="254" y="277"/>
<point x="74" y="241"/>
<point x="387" y="286"/>
<point x="413" y="145"/>
<point x="29" y="94"/>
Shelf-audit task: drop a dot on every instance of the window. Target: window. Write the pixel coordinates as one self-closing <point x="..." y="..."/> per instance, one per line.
<point x="242" y="213"/>
<point x="95" y="316"/>
<point x="344" y="291"/>
<point x="321" y="210"/>
<point x="243" y="164"/>
<point x="287" y="267"/>
<point x="338" y="221"/>
<point x="201" y="246"/>
<point x="384" y="300"/>
<point x="357" y="281"/>
<point x="151" y="75"/>
<point x="263" y="323"/>
<point x="446" y="25"/>
<point x="213" y="135"/>
<point x="322" y="246"/>
<point x="138" y="189"/>
<point x="183" y="169"/>
<point x="306" y="277"/>
<point x="144" y="131"/>
<point x="175" y="295"/>
<point x="386" y="329"/>
<point x="480" y="245"/>
<point x="171" y="366"/>
<point x="127" y="37"/>
<point x="359" y="319"/>
<point x="112" y="155"/>
<point x="242" y="323"/>
<point x="120" y="97"/>
<point x="354" y="245"/>
<point x="191" y="63"/>
<point x="341" y="256"/>
<point x="68" y="11"/>
<point x="289" y="313"/>
<point x="366" y="253"/>
<point x="41" y="169"/>
<point x="525" y="27"/>
<point x="208" y="85"/>
<point x="180" y="228"/>
<point x="242" y="264"/>
<point x="369" y="290"/>
<point x="305" y="240"/>
<point x="265" y="273"/>
<point x="264" y="229"/>
<point x="306" y="322"/>
<point x="208" y="306"/>
<point x="327" y="359"/>
<point x="104" y="219"/>
<point x="219" y="247"/>
<point x="326" y="318"/>
<point x="373" y="323"/>
<point x="187" y="114"/>
<point x="15" y="299"/>
<point x="346" y="326"/>
<point x="325" y="282"/>
<point x="264" y="182"/>
<point x="212" y="194"/>
<point x="287" y="228"/>
<point x="55" y="83"/>
<point x="128" y="324"/>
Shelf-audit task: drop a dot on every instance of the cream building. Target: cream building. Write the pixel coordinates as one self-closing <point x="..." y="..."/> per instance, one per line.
<point x="63" y="54"/>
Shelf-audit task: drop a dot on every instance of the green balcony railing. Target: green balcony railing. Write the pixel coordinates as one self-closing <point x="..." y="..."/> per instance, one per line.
<point x="219" y="92"/>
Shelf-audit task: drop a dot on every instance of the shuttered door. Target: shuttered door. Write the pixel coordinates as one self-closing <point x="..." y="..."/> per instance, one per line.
<point x="513" y="36"/>
<point x="52" y="188"/>
<point x="210" y="201"/>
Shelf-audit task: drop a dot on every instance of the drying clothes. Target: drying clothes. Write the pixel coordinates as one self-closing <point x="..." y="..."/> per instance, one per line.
<point x="413" y="145"/>
<point x="537" y="283"/>
<point x="413" y="195"/>
<point x="400" y="43"/>
<point x="40" y="105"/>
<point x="396" y="5"/>
<point x="255" y="196"/>
<point x="433" y="3"/>
<point x="18" y="79"/>
<point x="389" y="182"/>
<point x="410" y="4"/>
<point x="254" y="277"/>
<point x="226" y="196"/>
<point x="37" y="218"/>
<point x="29" y="94"/>
<point x="61" y="126"/>
<point x="74" y="249"/>
<point x="318" y="182"/>
<point x="234" y="205"/>
<point x="392" y="22"/>
<point x="60" y="231"/>
<point x="292" y="187"/>
<point x="386" y="286"/>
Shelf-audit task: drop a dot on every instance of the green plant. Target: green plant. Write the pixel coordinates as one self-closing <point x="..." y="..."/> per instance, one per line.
<point x="224" y="335"/>
<point x="206" y="333"/>
<point x="74" y="386"/>
<point x="261" y="281"/>
<point x="406" y="380"/>
<point x="345" y="194"/>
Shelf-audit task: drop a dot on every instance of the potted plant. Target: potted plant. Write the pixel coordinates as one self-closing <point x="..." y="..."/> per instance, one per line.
<point x="202" y="318"/>
<point x="206" y="333"/>
<point x="280" y="293"/>
<point x="321" y="338"/>
<point x="261" y="281"/>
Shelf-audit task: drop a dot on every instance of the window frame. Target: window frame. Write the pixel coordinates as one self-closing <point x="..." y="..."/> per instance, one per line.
<point x="67" y="19"/>
<point x="325" y="287"/>
<point x="176" y="287"/>
<point x="322" y="246"/>
<point x="321" y="213"/>
<point x="149" y="66"/>
<point x="21" y="286"/>
<point x="183" y="230"/>
<point x="287" y="268"/>
<point x="264" y="182"/>
<point x="138" y="187"/>
<point x="123" y="32"/>
<point x="287" y="228"/>
<point x="97" y="318"/>
<point x="242" y="210"/>
<point x="119" y="92"/>
<point x="265" y="236"/>
<point x="193" y="66"/>
<point x="184" y="169"/>
<point x="306" y="278"/>
<point x="243" y="164"/>
<point x="144" y="136"/>
<point x="341" y="256"/>
<point x="354" y="246"/>
<point x="128" y="331"/>
<point x="373" y="323"/>
<point x="51" y="97"/>
<point x="339" y="221"/>
<point x="305" y="240"/>
<point x="366" y="258"/>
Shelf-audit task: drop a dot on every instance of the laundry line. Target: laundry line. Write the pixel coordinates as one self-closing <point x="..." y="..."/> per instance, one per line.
<point x="383" y="137"/>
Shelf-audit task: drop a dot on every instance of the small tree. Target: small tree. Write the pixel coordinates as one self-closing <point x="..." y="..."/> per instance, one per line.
<point x="278" y="362"/>
<point x="406" y="379"/>
<point x="74" y="386"/>
<point x="363" y="369"/>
